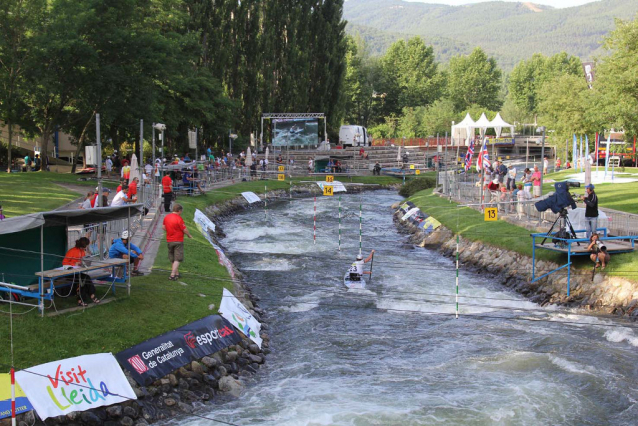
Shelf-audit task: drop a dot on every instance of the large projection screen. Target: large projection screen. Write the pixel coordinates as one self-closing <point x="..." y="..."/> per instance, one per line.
<point x="295" y="132"/>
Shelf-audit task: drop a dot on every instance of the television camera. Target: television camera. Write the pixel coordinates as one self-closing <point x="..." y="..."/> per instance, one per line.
<point x="558" y="203"/>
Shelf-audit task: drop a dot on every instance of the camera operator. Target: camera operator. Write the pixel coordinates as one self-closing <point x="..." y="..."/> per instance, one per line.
<point x="591" y="210"/>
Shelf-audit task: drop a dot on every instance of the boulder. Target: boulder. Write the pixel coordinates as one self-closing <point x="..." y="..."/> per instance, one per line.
<point x="114" y="411"/>
<point x="230" y="385"/>
<point x="209" y="362"/>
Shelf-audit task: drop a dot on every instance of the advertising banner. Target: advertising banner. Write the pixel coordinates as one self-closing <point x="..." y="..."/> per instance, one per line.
<point x="157" y="357"/>
<point x="75" y="384"/>
<point x="336" y="186"/>
<point x="223" y="260"/>
<point x="204" y="224"/>
<point x="235" y="312"/>
<point x="22" y="402"/>
<point x="251" y="197"/>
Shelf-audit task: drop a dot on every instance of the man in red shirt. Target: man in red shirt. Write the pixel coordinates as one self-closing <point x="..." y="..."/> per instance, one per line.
<point x="132" y="190"/>
<point x="175" y="230"/>
<point x="167" y="185"/>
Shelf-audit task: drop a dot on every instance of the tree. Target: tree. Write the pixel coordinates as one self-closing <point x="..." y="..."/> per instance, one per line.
<point x="528" y="76"/>
<point x="474" y="79"/>
<point x="563" y="104"/>
<point x="438" y="117"/>
<point x="412" y="69"/>
<point x="617" y="78"/>
<point x="19" y="21"/>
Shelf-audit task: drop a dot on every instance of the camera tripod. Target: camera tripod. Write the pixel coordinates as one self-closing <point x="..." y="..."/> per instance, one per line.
<point x="563" y="223"/>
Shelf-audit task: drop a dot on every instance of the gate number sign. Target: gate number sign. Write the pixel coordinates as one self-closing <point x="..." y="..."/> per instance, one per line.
<point x="491" y="214"/>
<point x="327" y="190"/>
<point x="330" y="178"/>
<point x="281" y="177"/>
<point x="280" y="168"/>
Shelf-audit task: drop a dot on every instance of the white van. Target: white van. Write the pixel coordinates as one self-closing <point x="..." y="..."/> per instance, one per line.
<point x="353" y="136"/>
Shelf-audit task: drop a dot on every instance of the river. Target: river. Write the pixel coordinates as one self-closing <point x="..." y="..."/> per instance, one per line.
<point x="394" y="354"/>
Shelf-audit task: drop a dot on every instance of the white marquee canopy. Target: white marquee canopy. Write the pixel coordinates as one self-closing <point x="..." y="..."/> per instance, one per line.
<point x="463" y="131"/>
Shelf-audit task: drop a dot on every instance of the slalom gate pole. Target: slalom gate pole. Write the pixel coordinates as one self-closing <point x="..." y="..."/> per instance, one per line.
<point x="339" y="222"/>
<point x="457" y="276"/>
<point x="13" y="394"/>
<point x="359" y="227"/>
<point x="266" y="201"/>
<point x="371" y="263"/>
<point x="314" y="232"/>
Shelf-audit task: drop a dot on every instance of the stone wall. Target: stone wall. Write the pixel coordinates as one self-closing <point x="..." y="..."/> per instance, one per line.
<point x="604" y="294"/>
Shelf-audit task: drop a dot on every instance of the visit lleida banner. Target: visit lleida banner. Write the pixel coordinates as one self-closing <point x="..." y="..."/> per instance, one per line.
<point x="75" y="384"/>
<point x="22" y="402"/>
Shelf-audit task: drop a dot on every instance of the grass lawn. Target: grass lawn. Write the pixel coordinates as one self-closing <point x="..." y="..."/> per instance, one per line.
<point x="470" y="224"/>
<point x="617" y="196"/>
<point x="23" y="193"/>
<point x="156" y="305"/>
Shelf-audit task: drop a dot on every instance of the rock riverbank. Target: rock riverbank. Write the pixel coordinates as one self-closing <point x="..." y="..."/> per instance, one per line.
<point x="607" y="295"/>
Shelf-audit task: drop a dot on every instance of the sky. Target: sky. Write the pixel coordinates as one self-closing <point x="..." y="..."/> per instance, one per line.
<point x="553" y="3"/>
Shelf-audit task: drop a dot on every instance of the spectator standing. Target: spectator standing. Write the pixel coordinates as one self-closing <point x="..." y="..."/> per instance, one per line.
<point x="536" y="182"/>
<point x="311" y="165"/>
<point x="2" y="216"/>
<point x="175" y="230"/>
<point x="558" y="163"/>
<point x="148" y="168"/>
<point x="126" y="171"/>
<point x="511" y="178"/>
<point x="132" y="190"/>
<point x="167" y="190"/>
<point x="37" y="162"/>
<point x="591" y="210"/>
<point x="501" y="170"/>
<point x="545" y="165"/>
<point x="27" y="163"/>
<point x="108" y="164"/>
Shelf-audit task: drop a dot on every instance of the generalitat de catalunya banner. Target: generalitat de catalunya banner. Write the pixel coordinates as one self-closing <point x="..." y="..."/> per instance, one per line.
<point x="235" y="312"/>
<point x="22" y="402"/>
<point x="157" y="357"/>
<point x="75" y="384"/>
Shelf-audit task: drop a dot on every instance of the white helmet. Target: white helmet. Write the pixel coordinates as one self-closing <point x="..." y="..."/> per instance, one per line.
<point x="359" y="257"/>
<point x="125" y="235"/>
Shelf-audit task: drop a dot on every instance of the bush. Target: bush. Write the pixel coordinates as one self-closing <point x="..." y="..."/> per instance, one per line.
<point x="416" y="185"/>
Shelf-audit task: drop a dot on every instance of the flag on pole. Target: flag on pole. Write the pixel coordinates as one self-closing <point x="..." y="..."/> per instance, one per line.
<point x="575" y="153"/>
<point x="586" y="148"/>
<point x="469" y="155"/>
<point x="580" y="153"/>
<point x="607" y="153"/>
<point x="596" y="147"/>
<point x="483" y="160"/>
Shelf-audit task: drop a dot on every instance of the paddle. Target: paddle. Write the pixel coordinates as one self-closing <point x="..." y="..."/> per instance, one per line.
<point x="371" y="263"/>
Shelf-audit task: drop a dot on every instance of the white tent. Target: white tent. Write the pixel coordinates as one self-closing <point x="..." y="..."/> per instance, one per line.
<point x="498" y="123"/>
<point x="463" y="130"/>
<point x="482" y="124"/>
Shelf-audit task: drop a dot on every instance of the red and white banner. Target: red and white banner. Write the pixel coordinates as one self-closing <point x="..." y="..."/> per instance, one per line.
<point x="75" y="384"/>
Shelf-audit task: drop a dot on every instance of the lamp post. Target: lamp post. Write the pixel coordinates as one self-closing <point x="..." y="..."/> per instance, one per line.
<point x="542" y="129"/>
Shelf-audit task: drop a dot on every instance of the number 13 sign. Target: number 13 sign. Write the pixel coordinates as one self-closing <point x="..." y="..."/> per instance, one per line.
<point x="491" y="214"/>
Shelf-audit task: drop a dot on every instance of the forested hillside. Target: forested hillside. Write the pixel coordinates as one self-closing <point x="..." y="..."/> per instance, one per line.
<point x="510" y="32"/>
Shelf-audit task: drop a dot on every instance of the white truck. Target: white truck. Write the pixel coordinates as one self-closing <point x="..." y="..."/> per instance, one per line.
<point x="353" y="136"/>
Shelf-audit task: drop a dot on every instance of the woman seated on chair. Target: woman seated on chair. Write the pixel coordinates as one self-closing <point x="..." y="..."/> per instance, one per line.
<point x="73" y="259"/>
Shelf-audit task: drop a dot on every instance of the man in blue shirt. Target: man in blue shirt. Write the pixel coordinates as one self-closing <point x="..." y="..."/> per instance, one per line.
<point x="119" y="250"/>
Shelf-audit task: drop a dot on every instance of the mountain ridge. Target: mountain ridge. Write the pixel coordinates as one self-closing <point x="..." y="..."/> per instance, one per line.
<point x="508" y="31"/>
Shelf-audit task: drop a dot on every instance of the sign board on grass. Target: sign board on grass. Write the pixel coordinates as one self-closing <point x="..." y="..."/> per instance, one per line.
<point x="491" y="214"/>
<point x="237" y="314"/>
<point x="417" y="172"/>
<point x="281" y="177"/>
<point x="330" y="178"/>
<point x="280" y="168"/>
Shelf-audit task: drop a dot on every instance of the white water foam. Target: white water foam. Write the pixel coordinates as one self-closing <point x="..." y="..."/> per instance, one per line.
<point x="622" y="334"/>
<point x="571" y="367"/>
<point x="304" y="303"/>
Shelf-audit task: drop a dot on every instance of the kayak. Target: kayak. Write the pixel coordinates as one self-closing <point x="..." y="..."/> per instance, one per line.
<point x="353" y="284"/>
